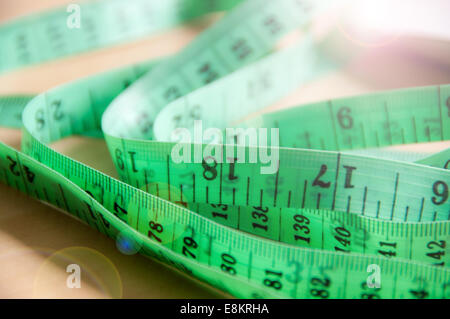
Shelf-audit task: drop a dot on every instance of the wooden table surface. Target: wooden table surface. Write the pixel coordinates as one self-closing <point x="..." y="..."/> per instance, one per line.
<point x="37" y="242"/>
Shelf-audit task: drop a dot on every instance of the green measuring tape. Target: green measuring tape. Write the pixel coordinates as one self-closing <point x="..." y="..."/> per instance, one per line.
<point x="311" y="228"/>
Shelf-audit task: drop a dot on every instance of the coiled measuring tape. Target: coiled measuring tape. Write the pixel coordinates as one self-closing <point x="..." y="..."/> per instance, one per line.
<point x="309" y="230"/>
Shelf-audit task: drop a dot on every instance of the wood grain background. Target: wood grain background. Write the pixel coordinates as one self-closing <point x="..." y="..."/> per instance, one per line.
<point x="37" y="242"/>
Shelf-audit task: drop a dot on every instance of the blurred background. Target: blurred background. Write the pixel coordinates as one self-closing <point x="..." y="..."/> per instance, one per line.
<point x="402" y="43"/>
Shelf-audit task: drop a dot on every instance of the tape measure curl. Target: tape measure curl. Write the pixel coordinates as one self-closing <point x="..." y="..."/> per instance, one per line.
<point x="316" y="202"/>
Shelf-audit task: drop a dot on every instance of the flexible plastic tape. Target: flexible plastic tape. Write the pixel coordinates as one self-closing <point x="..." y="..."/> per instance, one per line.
<point x="311" y="228"/>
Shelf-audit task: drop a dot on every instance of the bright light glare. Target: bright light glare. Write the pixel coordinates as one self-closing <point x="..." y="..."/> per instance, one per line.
<point x="428" y="18"/>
